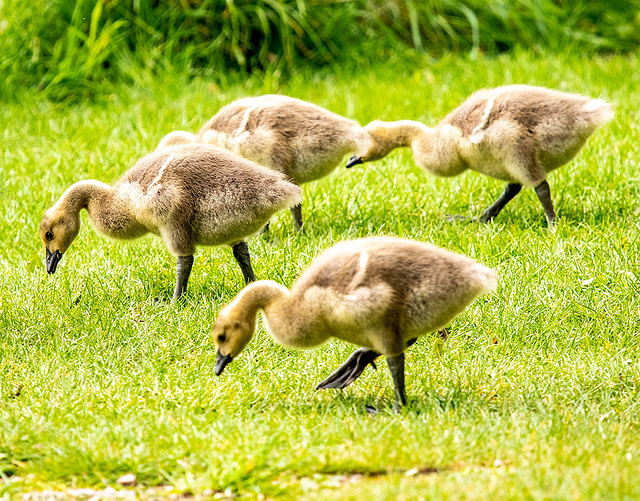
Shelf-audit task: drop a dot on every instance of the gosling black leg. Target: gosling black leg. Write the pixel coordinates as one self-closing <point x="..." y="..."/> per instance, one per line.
<point x="507" y="195"/>
<point x="349" y="371"/>
<point x="241" y="253"/>
<point x="183" y="270"/>
<point x="296" y="212"/>
<point x="544" y="195"/>
<point x="396" y="366"/>
<point x="265" y="231"/>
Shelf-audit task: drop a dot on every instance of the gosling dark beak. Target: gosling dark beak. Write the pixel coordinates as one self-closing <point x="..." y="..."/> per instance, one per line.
<point x="221" y="362"/>
<point x="354" y="160"/>
<point x="53" y="258"/>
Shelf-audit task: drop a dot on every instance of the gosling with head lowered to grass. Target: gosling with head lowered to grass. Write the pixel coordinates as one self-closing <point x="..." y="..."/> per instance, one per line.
<point x="189" y="195"/>
<point x="515" y="133"/>
<point x="303" y="141"/>
<point x="381" y="293"/>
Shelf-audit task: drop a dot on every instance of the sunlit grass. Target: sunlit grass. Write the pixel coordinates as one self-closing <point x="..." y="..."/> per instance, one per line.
<point x="97" y="379"/>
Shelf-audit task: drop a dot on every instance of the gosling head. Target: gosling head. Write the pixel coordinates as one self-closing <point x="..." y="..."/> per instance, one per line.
<point x="57" y="231"/>
<point x="231" y="333"/>
<point x="384" y="140"/>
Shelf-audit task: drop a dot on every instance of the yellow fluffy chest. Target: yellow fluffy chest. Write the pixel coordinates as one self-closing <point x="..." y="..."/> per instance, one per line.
<point x="151" y="207"/>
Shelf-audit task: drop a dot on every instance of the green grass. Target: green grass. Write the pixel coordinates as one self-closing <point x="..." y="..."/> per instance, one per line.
<point x="97" y="380"/>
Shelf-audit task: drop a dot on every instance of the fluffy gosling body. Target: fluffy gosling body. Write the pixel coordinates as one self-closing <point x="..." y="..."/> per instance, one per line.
<point x="515" y="133"/>
<point x="303" y="141"/>
<point x="188" y="195"/>
<point x="381" y="293"/>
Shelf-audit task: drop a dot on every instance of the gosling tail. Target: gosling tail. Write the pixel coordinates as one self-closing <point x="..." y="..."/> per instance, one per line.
<point x="485" y="278"/>
<point x="598" y="112"/>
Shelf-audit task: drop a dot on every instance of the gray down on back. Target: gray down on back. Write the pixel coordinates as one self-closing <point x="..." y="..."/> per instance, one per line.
<point x="217" y="196"/>
<point x="300" y="139"/>
<point x="551" y="123"/>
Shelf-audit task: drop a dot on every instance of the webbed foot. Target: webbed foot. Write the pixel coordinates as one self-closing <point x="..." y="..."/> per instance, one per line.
<point x="371" y="410"/>
<point x="349" y="371"/>
<point x="161" y="299"/>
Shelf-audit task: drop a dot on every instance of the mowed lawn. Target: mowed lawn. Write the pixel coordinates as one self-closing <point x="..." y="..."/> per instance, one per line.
<point x="535" y="394"/>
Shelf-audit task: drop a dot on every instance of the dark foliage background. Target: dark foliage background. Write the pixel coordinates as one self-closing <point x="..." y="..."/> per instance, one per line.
<point x="70" y="48"/>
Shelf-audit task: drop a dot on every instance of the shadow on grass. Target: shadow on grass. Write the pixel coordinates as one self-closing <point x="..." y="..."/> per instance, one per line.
<point x="363" y="471"/>
<point x="372" y="407"/>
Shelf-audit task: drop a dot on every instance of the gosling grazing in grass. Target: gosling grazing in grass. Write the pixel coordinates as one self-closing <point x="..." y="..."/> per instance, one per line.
<point x="303" y="141"/>
<point x="381" y="293"/>
<point x="189" y="195"/>
<point x="515" y="133"/>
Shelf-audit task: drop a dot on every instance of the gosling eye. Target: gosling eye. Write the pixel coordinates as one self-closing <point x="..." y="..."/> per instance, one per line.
<point x="48" y="235"/>
<point x="222" y="338"/>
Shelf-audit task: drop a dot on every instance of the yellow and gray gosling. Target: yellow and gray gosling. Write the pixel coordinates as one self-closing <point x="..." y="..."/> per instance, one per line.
<point x="188" y="195"/>
<point x="515" y="133"/>
<point x="381" y="293"/>
<point x="303" y="141"/>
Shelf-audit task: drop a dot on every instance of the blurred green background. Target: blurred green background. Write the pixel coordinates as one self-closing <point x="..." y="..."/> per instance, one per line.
<point x="75" y="49"/>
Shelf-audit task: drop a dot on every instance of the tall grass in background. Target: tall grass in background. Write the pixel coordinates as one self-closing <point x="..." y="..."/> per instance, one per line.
<point x="69" y="47"/>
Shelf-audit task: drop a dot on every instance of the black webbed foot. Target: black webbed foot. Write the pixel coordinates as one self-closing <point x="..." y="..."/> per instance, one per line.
<point x="348" y="372"/>
<point x="161" y="299"/>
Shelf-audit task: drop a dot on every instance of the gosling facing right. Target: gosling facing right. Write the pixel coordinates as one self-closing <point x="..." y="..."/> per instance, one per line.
<point x="381" y="293"/>
<point x="189" y="195"/>
<point x="303" y="141"/>
<point x="515" y="133"/>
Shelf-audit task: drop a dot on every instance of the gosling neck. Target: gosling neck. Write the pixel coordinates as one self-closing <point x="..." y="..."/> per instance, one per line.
<point x="81" y="195"/>
<point x="405" y="133"/>
<point x="259" y="295"/>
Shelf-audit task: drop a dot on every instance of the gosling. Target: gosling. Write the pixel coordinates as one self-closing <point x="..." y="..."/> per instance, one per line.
<point x="303" y="141"/>
<point x="189" y="195"/>
<point x="381" y="293"/>
<point x="515" y="133"/>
